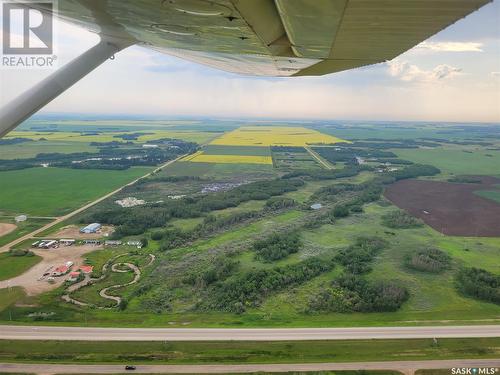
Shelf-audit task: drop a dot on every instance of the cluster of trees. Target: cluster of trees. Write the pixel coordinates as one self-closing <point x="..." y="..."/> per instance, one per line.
<point x="400" y="220"/>
<point x="414" y="171"/>
<point x="480" y="284"/>
<point x="465" y="180"/>
<point x="220" y="269"/>
<point x="382" y="144"/>
<point x="348" y="154"/>
<point x="279" y="203"/>
<point x="131" y="136"/>
<point x="14" y="141"/>
<point x="238" y="293"/>
<point x="352" y="293"/>
<point x="428" y="260"/>
<point x="356" y="258"/>
<point x="327" y="174"/>
<point x="112" y="157"/>
<point x="277" y="246"/>
<point x="136" y="220"/>
<point x="290" y="149"/>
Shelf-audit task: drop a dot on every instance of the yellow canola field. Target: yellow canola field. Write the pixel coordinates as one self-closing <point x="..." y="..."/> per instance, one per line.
<point x="274" y="136"/>
<point x="200" y="157"/>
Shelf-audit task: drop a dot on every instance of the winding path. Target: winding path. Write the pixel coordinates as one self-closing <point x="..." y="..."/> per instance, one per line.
<point x="104" y="292"/>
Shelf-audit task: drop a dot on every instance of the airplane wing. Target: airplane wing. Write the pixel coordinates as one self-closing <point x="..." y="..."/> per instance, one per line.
<point x="255" y="37"/>
<point x="273" y="37"/>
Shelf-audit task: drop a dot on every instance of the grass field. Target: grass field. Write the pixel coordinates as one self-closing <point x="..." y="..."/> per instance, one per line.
<point x="494" y="195"/>
<point x="236" y="150"/>
<point x="456" y="161"/>
<point x="31" y="149"/>
<point x="274" y="136"/>
<point x="11" y="266"/>
<point x="245" y="352"/>
<point x="10" y="295"/>
<point x="56" y="191"/>
<point x="22" y="228"/>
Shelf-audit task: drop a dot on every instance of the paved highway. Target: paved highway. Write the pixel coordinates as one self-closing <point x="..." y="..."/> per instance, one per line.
<point x="238" y="334"/>
<point x="406" y="367"/>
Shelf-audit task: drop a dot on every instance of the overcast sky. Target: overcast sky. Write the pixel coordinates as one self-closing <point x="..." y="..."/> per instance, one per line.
<point x="454" y="76"/>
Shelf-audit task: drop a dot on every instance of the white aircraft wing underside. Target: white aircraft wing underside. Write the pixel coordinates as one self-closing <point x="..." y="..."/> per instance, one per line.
<point x="272" y="37"/>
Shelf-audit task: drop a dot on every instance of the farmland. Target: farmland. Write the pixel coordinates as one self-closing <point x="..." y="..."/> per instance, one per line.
<point x="234" y="217"/>
<point x="58" y="190"/>
<point x="274" y="136"/>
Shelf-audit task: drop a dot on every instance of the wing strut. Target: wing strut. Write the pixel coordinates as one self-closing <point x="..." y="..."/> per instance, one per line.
<point x="22" y="107"/>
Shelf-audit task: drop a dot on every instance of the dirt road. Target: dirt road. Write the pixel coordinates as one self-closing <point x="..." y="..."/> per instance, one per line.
<point x="83" y="208"/>
<point x="6" y="228"/>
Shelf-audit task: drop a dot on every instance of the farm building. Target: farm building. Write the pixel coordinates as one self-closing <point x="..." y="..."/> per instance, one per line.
<point x="112" y="243"/>
<point x="73" y="276"/>
<point x="92" y="242"/>
<point x="134" y="243"/>
<point x="91" y="228"/>
<point x="61" y="270"/>
<point x="86" y="269"/>
<point x="21" y="218"/>
<point x="67" y="242"/>
<point x="46" y="244"/>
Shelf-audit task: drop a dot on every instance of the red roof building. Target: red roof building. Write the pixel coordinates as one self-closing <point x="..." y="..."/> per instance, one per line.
<point x="86" y="269"/>
<point x="61" y="270"/>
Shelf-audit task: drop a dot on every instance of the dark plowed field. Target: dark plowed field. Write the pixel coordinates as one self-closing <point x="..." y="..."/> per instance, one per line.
<point x="450" y="208"/>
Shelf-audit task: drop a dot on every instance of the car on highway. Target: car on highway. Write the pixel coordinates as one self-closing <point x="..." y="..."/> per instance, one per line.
<point x="130" y="367"/>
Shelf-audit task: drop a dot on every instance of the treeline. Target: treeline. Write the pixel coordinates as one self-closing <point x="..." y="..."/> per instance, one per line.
<point x="290" y="149"/>
<point x="356" y="258"/>
<point x="112" y="158"/>
<point x="14" y="141"/>
<point x="248" y="290"/>
<point x="327" y="174"/>
<point x="277" y="246"/>
<point x="400" y="220"/>
<point x="414" y="171"/>
<point x="428" y="260"/>
<point x="138" y="219"/>
<point x="352" y="293"/>
<point x="348" y="154"/>
<point x="480" y="284"/>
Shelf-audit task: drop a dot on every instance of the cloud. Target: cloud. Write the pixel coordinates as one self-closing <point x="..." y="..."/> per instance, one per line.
<point x="451" y="46"/>
<point x="412" y="73"/>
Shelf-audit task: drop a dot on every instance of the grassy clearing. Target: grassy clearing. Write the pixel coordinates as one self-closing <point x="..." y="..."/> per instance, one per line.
<point x="455" y="160"/>
<point x="8" y="296"/>
<point x="11" y="266"/>
<point x="246" y="351"/>
<point x="22" y="228"/>
<point x="218" y="171"/>
<point x="494" y="195"/>
<point x="56" y="191"/>
<point x="274" y="136"/>
<point x="31" y="149"/>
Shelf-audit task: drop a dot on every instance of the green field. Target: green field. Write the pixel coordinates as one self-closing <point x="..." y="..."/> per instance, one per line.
<point x="57" y="191"/>
<point x="31" y="149"/>
<point x="456" y="161"/>
<point x="23" y="228"/>
<point x="494" y="195"/>
<point x="11" y="266"/>
<point x="87" y="352"/>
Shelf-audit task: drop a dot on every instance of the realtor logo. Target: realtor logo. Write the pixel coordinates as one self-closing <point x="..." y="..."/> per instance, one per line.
<point x="27" y="31"/>
<point x="28" y="34"/>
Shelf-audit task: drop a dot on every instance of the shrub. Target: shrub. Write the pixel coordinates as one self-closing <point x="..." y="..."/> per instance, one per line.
<point x="277" y="246"/>
<point x="400" y="220"/>
<point x="480" y="284"/>
<point x="428" y="260"/>
<point x="356" y="258"/>
<point x="340" y="211"/>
